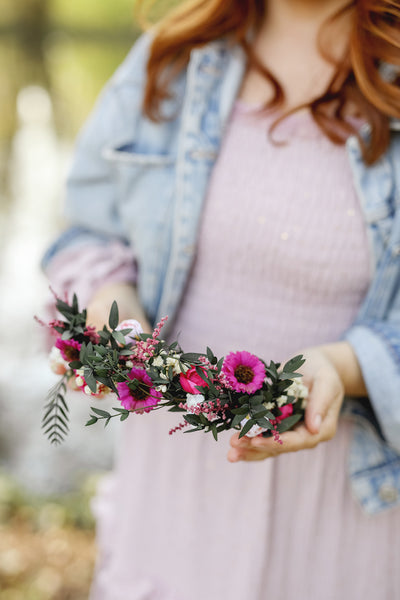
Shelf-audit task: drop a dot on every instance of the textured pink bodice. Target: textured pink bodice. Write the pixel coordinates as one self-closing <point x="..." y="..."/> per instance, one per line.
<point x="282" y="261"/>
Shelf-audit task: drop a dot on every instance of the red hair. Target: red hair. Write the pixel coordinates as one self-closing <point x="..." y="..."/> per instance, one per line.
<point x="358" y="81"/>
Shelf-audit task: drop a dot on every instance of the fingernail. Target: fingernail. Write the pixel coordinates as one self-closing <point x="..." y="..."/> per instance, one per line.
<point x="317" y="422"/>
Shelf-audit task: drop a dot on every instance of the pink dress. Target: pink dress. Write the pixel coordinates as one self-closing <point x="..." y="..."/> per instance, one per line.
<point x="282" y="264"/>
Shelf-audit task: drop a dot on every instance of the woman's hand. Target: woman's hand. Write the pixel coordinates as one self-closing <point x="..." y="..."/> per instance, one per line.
<point x="329" y="372"/>
<point x="98" y="309"/>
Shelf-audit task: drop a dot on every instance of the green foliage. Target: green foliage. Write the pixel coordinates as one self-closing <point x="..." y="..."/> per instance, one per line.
<point x="103" y="360"/>
<point x="55" y="418"/>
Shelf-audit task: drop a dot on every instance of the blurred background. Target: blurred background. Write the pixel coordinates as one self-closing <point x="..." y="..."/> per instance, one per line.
<point x="55" y="56"/>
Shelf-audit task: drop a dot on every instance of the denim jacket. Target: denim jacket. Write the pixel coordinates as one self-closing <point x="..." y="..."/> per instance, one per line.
<point x="144" y="183"/>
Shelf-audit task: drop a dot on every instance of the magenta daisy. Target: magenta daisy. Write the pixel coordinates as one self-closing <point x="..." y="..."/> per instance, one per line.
<point x="243" y="371"/>
<point x="143" y="397"/>
<point x="69" y="349"/>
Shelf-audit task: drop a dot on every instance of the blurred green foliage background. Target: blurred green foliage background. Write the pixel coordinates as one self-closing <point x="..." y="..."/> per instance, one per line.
<point x="67" y="49"/>
<point x="69" y="46"/>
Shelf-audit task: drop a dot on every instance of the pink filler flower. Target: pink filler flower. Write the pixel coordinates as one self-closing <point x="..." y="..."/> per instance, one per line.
<point x="243" y="371"/>
<point x="144" y="397"/>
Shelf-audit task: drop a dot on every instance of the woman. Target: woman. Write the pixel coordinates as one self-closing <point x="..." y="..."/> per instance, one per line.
<point x="199" y="191"/>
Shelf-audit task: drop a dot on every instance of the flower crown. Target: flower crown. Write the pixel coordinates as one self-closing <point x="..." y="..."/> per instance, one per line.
<point x="239" y="391"/>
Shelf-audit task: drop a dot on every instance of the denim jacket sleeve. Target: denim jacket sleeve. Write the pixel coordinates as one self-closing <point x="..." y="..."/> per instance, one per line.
<point x="375" y="335"/>
<point x="91" y="184"/>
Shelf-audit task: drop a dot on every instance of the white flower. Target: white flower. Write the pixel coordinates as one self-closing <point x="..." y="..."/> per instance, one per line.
<point x="282" y="400"/>
<point x="193" y="400"/>
<point x="297" y="389"/>
<point x="79" y="381"/>
<point x="163" y="376"/>
<point x="129" y="364"/>
<point x="174" y="363"/>
<point x="269" y="405"/>
<point x="161" y="388"/>
<point x="87" y="390"/>
<point x="158" y="362"/>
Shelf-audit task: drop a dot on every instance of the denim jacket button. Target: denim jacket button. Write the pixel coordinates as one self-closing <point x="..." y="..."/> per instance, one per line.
<point x="388" y="493"/>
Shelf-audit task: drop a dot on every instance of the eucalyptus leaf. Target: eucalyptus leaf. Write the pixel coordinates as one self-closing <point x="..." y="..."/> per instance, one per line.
<point x="113" y="319"/>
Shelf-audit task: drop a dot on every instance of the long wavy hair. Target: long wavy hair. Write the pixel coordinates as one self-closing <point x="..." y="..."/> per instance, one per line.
<point x="367" y="78"/>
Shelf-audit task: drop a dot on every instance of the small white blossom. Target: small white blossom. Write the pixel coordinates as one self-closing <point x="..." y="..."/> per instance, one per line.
<point x="297" y="389"/>
<point x="174" y="363"/>
<point x="269" y="405"/>
<point x="161" y="388"/>
<point x="282" y="400"/>
<point x="87" y="390"/>
<point x="79" y="381"/>
<point x="163" y="376"/>
<point x="129" y="364"/>
<point x="193" y="400"/>
<point x="158" y="362"/>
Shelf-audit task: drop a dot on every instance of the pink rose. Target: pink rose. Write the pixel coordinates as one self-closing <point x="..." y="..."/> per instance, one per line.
<point x="286" y="411"/>
<point x="191" y="379"/>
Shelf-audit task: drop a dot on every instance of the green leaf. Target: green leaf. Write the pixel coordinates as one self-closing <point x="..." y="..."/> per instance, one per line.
<point x="118" y="337"/>
<point x="75" y="308"/>
<point x="75" y="364"/>
<point x="288" y="423"/>
<point x="242" y="410"/>
<point x="192" y="419"/>
<point x="113" y="319"/>
<point x="90" y="379"/>
<point x="237" y="419"/>
<point x="246" y="428"/>
<point x="191" y="357"/>
<point x="264" y="423"/>
<point x="91" y="421"/>
<point x="101" y="413"/>
<point x="289" y="375"/>
<point x="294" y="363"/>
<point x="124" y="416"/>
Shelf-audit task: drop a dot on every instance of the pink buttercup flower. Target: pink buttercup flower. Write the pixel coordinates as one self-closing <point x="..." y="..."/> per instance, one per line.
<point x="144" y="397"/>
<point x="191" y="381"/>
<point x="135" y="327"/>
<point x="244" y="372"/>
<point x="69" y="349"/>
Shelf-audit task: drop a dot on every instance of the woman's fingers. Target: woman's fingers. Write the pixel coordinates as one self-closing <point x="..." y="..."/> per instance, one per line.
<point x="324" y="403"/>
<point x="259" y="448"/>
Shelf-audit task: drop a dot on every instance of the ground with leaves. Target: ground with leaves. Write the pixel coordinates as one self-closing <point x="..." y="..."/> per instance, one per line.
<point x="47" y="548"/>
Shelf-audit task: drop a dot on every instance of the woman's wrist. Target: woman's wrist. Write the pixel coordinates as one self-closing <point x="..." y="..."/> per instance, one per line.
<point x="125" y="295"/>
<point x="344" y="359"/>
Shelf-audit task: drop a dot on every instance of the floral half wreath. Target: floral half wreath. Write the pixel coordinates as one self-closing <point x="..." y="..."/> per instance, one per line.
<point x="239" y="391"/>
